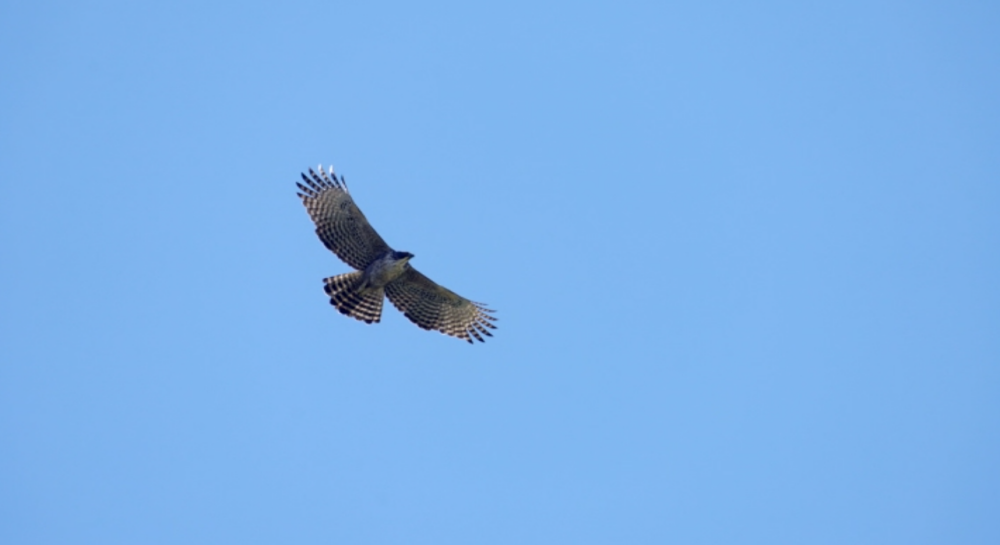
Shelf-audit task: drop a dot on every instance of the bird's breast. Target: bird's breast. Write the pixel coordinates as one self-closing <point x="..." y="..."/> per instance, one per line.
<point x="383" y="270"/>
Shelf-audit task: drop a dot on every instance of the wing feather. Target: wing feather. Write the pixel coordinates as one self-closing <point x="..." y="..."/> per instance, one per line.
<point x="432" y="306"/>
<point x="340" y="224"/>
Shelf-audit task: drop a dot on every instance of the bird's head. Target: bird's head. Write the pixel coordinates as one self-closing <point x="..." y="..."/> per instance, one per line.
<point x="404" y="256"/>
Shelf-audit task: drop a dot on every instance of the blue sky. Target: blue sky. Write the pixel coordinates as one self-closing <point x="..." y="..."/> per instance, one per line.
<point x="744" y="256"/>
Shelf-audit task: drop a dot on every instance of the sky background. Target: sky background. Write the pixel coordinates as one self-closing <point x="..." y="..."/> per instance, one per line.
<point x="745" y="258"/>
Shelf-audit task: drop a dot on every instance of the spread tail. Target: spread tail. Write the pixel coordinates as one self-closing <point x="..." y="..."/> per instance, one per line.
<point x="346" y="293"/>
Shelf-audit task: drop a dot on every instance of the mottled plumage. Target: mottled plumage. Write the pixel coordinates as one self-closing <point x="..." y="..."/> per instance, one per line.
<point x="382" y="271"/>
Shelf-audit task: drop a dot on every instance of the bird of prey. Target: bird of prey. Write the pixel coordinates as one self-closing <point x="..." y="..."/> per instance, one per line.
<point x="381" y="271"/>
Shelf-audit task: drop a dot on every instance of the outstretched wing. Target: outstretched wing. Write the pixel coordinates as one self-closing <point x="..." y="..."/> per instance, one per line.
<point x="431" y="306"/>
<point x="339" y="223"/>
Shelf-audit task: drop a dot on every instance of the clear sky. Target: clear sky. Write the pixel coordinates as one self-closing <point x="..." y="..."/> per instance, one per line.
<point x="745" y="256"/>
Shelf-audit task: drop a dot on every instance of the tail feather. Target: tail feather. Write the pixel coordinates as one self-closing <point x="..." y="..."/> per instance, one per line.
<point x="351" y="300"/>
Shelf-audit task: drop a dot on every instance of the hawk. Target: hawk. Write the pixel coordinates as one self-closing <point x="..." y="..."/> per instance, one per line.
<point x="381" y="271"/>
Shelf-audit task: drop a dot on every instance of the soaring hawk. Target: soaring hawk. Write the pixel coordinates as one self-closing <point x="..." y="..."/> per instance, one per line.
<point x="381" y="271"/>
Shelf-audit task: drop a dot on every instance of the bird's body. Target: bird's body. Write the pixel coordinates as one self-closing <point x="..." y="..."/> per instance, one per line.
<point x="386" y="268"/>
<point x="381" y="271"/>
